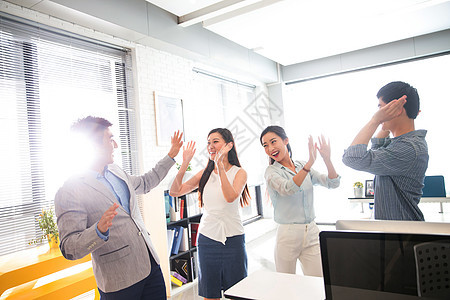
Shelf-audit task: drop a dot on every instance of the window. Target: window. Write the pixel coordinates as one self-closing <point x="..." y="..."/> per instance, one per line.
<point x="221" y="103"/>
<point x="338" y="106"/>
<point x="47" y="81"/>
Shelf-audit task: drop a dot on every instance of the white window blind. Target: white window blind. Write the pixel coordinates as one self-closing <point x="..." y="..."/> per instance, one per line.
<point x="48" y="80"/>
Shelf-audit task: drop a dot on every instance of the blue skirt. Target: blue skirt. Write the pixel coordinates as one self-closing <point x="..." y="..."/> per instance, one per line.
<point x="220" y="266"/>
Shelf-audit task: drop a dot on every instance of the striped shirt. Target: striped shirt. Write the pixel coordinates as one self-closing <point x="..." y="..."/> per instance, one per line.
<point x="399" y="166"/>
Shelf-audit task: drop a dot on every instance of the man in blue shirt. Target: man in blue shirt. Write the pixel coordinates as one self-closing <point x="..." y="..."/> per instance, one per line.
<point x="398" y="163"/>
<point x="98" y="214"/>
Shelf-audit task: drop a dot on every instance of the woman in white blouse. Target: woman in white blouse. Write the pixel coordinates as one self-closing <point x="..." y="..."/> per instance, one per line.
<point x="222" y="185"/>
<point x="290" y="186"/>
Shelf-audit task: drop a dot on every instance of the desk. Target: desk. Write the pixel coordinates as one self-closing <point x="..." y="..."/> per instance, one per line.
<point x="362" y="201"/>
<point x="439" y="200"/>
<point x="435" y="199"/>
<point x="24" y="266"/>
<point x="266" y="285"/>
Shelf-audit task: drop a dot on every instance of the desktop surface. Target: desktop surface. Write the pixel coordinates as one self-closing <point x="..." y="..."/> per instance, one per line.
<point x="394" y="226"/>
<point x="267" y="285"/>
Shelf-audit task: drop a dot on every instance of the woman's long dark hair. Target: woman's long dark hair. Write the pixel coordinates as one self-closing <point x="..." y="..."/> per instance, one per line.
<point x="281" y="133"/>
<point x="232" y="159"/>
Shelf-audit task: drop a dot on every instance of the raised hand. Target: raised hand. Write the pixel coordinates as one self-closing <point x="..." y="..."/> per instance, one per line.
<point x="382" y="133"/>
<point x="177" y="142"/>
<point x="312" y="150"/>
<point x="188" y="152"/>
<point x="222" y="152"/>
<point x="324" y="148"/>
<point x="107" y="218"/>
<point x="390" y="111"/>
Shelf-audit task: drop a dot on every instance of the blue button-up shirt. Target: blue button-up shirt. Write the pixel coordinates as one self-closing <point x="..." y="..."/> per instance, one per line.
<point x="399" y="166"/>
<point x="294" y="204"/>
<point x="118" y="188"/>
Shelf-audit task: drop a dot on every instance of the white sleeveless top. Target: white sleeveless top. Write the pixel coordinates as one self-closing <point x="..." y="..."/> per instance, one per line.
<point x="220" y="219"/>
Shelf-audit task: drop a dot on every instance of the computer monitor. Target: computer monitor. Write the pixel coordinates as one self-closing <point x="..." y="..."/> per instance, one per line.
<point x="372" y="265"/>
<point x="394" y="226"/>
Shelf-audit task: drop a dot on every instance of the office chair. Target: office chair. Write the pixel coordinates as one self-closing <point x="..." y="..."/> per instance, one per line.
<point x="434" y="186"/>
<point x="433" y="269"/>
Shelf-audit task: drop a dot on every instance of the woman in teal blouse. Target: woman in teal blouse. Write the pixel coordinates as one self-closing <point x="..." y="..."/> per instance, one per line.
<point x="290" y="186"/>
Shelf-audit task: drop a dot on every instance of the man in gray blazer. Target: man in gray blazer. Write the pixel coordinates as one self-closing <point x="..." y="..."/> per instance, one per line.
<point x="98" y="214"/>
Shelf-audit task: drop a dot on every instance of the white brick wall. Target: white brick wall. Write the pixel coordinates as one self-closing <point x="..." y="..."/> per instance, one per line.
<point x="164" y="73"/>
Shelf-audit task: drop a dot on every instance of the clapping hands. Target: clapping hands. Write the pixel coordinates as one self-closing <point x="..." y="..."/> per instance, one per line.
<point x="222" y="152"/>
<point x="312" y="147"/>
<point x="323" y="147"/>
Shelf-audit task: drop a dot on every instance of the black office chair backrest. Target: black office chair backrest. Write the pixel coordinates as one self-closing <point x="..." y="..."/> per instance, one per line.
<point x="433" y="269"/>
<point x="434" y="186"/>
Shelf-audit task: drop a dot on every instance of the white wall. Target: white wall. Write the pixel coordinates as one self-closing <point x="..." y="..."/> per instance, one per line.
<point x="416" y="47"/>
<point x="142" y="22"/>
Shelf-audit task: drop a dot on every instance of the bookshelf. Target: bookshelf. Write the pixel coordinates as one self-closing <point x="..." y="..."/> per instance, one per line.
<point x="184" y="214"/>
<point x="153" y="212"/>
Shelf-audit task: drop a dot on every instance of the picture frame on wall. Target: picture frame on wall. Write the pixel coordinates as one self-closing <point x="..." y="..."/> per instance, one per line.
<point x="169" y="117"/>
<point x="369" y="191"/>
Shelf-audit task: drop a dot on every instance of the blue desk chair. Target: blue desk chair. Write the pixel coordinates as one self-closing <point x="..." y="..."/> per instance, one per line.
<point x="434" y="186"/>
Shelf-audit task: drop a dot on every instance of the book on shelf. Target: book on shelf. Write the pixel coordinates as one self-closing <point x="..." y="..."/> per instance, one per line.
<point x="174" y="215"/>
<point x="183" y="267"/>
<point x="194" y="264"/>
<point x="177" y="209"/>
<point x="177" y="239"/>
<point x="175" y="280"/>
<point x="192" y="205"/>
<point x="194" y="231"/>
<point x="181" y="208"/>
<point x="184" y="246"/>
<point x="178" y="276"/>
<point x="170" y="238"/>
<point x="167" y="204"/>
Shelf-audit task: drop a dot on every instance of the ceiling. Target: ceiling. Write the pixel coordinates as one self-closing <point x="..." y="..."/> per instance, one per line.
<point x="294" y="31"/>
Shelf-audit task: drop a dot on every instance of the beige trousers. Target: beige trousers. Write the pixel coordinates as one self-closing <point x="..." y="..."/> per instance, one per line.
<point x="298" y="241"/>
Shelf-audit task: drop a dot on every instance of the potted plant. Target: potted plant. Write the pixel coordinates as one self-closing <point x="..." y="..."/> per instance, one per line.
<point x="358" y="189"/>
<point x="189" y="168"/>
<point x="186" y="176"/>
<point x="49" y="229"/>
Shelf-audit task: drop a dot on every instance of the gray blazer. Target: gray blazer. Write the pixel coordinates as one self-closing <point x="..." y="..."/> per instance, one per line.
<point x="123" y="259"/>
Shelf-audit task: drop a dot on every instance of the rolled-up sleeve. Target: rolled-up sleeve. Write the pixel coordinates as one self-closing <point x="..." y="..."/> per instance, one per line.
<point x="279" y="183"/>
<point x="318" y="178"/>
<point x="356" y="157"/>
<point x="379" y="142"/>
<point x="381" y="160"/>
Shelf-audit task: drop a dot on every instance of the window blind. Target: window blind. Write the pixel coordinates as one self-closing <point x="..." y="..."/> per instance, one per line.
<point x="48" y="80"/>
